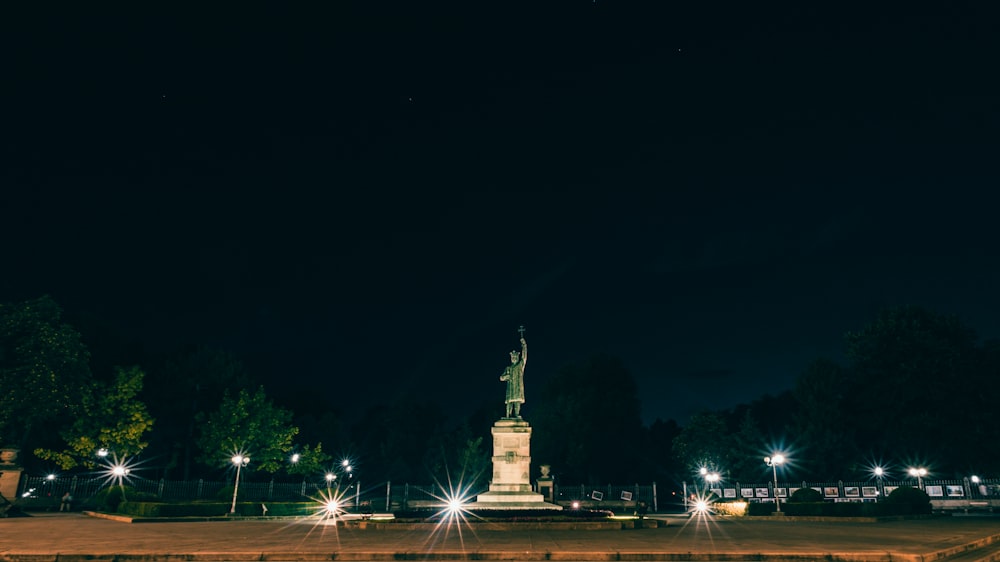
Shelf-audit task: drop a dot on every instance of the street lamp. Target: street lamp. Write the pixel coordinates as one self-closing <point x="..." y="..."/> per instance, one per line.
<point x="773" y="462"/>
<point x="239" y="461"/>
<point x="710" y="477"/>
<point x="918" y="473"/>
<point x="879" y="473"/>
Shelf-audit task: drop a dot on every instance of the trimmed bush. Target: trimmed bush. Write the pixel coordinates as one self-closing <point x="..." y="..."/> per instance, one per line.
<point x="908" y="501"/>
<point x="806" y="509"/>
<point x="805" y="495"/>
<point x="114" y="497"/>
<point x="760" y="508"/>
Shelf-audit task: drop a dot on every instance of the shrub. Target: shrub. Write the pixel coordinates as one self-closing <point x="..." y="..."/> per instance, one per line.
<point x="805" y="495"/>
<point x="760" y="508"/>
<point x="806" y="509"/>
<point x="908" y="501"/>
<point x="110" y="499"/>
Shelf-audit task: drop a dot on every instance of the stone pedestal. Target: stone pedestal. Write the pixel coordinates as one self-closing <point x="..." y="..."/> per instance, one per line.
<point x="510" y="488"/>
<point x="10" y="474"/>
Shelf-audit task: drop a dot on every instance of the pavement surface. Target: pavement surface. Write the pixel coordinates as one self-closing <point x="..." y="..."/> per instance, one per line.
<point x="76" y="537"/>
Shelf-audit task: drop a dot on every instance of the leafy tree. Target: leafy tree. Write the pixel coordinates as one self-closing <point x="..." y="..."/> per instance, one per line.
<point x="111" y="417"/>
<point x="395" y="439"/>
<point x="822" y="422"/>
<point x="43" y="365"/>
<point x="249" y="424"/>
<point x="743" y="458"/>
<point x="459" y="457"/>
<point x="659" y="462"/>
<point x="703" y="442"/>
<point x="310" y="461"/>
<point x="902" y="364"/>
<point x="186" y="387"/>
<point x="588" y="423"/>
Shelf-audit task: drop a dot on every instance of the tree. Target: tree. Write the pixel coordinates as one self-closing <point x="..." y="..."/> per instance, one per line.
<point x="458" y="457"/>
<point x="588" y="423"/>
<point x="186" y="386"/>
<point x="43" y="364"/>
<point x="247" y="424"/>
<point x="395" y="439"/>
<point x="111" y="417"/>
<point x="902" y="365"/>
<point x="703" y="442"/>
<point x="822" y="422"/>
<point x="310" y="460"/>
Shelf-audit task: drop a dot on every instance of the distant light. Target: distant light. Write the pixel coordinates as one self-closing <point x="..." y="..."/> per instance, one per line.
<point x="240" y="460"/>
<point x="712" y="477"/>
<point x="53" y="477"/>
<point x="345" y="463"/>
<point x="330" y="477"/>
<point x="575" y="505"/>
<point x="878" y="471"/>
<point x="102" y="452"/>
<point x="296" y="457"/>
<point x="918" y="471"/>
<point x="975" y="479"/>
<point x="703" y="471"/>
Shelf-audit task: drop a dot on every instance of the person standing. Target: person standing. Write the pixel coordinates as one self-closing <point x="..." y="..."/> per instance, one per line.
<point x="67" y="502"/>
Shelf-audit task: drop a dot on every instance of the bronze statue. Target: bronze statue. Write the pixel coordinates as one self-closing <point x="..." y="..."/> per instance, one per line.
<point x="514" y="376"/>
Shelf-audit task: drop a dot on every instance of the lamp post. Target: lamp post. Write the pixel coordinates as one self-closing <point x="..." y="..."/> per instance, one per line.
<point x="773" y="462"/>
<point x="239" y="461"/>
<point x="918" y="473"/>
<point x="710" y="477"/>
<point x="879" y="473"/>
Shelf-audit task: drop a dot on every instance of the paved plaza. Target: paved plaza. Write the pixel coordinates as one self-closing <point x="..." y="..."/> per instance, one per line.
<point x="75" y="537"/>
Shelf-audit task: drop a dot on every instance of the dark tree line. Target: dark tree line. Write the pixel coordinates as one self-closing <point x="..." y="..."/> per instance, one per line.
<point x="918" y="387"/>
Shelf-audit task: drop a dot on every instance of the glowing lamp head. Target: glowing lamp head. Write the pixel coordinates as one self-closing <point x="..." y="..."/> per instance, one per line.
<point x="330" y="477"/>
<point x="119" y="470"/>
<point x="575" y="505"/>
<point x="240" y="460"/>
<point x="879" y="471"/>
<point x="102" y="452"/>
<point x="975" y="479"/>
<point x="296" y="457"/>
<point x="53" y="477"/>
<point x="703" y="471"/>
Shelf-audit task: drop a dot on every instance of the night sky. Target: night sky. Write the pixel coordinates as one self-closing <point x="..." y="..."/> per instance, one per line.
<point x="368" y="199"/>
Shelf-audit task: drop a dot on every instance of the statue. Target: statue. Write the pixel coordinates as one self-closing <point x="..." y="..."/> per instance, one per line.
<point x="513" y="375"/>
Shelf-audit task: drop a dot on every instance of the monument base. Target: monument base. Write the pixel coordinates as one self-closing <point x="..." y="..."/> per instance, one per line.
<point x="510" y="488"/>
<point x="510" y="501"/>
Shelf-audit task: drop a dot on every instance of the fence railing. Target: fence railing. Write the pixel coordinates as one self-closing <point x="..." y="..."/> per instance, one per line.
<point x="386" y="496"/>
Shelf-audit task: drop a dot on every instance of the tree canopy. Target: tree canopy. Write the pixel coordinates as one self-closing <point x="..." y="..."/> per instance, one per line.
<point x="43" y="365"/>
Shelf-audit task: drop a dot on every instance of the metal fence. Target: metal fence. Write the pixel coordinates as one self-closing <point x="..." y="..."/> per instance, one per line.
<point x="386" y="496"/>
<point x="973" y="488"/>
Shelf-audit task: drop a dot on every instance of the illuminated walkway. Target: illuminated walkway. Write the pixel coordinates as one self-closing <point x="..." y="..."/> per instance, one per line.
<point x="75" y="537"/>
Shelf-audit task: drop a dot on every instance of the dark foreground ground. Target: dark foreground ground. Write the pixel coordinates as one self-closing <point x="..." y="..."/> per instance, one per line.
<point x="76" y="537"/>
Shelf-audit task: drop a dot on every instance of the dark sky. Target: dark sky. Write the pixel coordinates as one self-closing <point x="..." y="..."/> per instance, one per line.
<point x="371" y="197"/>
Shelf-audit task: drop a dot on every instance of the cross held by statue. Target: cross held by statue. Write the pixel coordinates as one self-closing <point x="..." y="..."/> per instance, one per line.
<point x="520" y="330"/>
